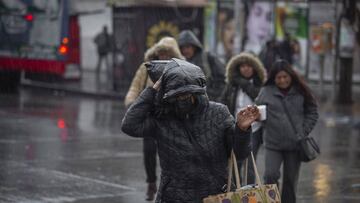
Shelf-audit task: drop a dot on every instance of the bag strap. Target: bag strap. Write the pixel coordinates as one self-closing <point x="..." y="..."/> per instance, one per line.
<point x="233" y="165"/>
<point x="236" y="170"/>
<point x="289" y="117"/>
<point x="257" y="176"/>
<point x="246" y="171"/>
<point x="256" y="170"/>
<point x="230" y="171"/>
<point x="232" y="161"/>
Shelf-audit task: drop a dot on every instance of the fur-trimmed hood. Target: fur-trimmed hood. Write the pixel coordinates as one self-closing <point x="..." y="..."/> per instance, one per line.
<point x="232" y="69"/>
<point x="167" y="44"/>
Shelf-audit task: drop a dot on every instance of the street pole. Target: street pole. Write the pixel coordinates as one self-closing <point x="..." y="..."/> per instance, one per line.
<point x="238" y="34"/>
<point x="322" y="64"/>
<point x="217" y="26"/>
<point x="335" y="61"/>
<point x="307" y="63"/>
<point x="346" y="21"/>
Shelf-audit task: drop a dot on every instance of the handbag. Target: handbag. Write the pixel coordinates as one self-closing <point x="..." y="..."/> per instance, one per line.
<point x="308" y="147"/>
<point x="258" y="193"/>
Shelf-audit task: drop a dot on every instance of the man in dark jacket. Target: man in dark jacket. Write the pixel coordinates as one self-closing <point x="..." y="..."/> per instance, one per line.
<point x="213" y="68"/>
<point x="103" y="44"/>
<point x="194" y="136"/>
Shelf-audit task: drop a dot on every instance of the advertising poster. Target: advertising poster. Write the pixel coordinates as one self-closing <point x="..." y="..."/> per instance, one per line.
<point x="225" y="30"/>
<point x="258" y="25"/>
<point x="220" y="28"/>
<point x="347" y="40"/>
<point x="210" y="26"/>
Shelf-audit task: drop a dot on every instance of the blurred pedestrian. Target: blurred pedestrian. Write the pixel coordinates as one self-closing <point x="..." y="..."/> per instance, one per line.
<point x="245" y="75"/>
<point x="270" y="53"/>
<point x="286" y="48"/>
<point x="103" y="45"/>
<point x="165" y="49"/>
<point x="225" y="46"/>
<point x="213" y="68"/>
<point x="194" y="135"/>
<point x="291" y="112"/>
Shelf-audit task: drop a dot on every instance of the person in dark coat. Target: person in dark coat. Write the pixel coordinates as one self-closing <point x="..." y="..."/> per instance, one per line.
<point x="166" y="48"/>
<point x="286" y="49"/>
<point x="214" y="69"/>
<point x="270" y="53"/>
<point x="103" y="45"/>
<point x="194" y="135"/>
<point x="245" y="75"/>
<point x="291" y="112"/>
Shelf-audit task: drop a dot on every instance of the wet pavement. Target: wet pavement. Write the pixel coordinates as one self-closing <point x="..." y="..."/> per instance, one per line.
<point x="56" y="147"/>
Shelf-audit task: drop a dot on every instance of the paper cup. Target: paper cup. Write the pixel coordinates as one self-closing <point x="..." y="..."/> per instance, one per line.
<point x="262" y="111"/>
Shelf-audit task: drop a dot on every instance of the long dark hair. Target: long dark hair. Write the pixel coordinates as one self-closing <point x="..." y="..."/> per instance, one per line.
<point x="296" y="80"/>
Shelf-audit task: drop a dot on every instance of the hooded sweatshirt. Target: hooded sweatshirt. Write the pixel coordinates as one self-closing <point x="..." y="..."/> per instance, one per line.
<point x="213" y="68"/>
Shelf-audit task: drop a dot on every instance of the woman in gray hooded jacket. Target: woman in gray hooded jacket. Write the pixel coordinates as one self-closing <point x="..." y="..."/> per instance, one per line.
<point x="291" y="112"/>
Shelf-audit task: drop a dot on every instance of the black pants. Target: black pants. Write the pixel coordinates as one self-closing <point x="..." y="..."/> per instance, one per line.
<point x="256" y="141"/>
<point x="150" y="151"/>
<point x="102" y="57"/>
<point x="291" y="168"/>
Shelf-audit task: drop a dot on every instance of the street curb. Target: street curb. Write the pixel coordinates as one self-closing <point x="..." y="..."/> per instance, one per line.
<point x="73" y="91"/>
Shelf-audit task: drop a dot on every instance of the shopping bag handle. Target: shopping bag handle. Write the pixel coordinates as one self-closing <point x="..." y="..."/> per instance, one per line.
<point x="255" y="170"/>
<point x="233" y="165"/>
<point x="258" y="180"/>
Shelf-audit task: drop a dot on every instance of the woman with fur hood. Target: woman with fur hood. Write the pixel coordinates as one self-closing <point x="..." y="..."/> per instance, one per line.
<point x="165" y="49"/>
<point x="245" y="75"/>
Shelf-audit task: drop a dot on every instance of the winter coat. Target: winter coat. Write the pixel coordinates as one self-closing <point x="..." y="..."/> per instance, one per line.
<point x="278" y="131"/>
<point x="193" y="151"/>
<point x="103" y="43"/>
<point x="213" y="68"/>
<point x="141" y="79"/>
<point x="234" y="80"/>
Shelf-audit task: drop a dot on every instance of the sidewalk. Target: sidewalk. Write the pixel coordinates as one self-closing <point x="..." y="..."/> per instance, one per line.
<point x="88" y="85"/>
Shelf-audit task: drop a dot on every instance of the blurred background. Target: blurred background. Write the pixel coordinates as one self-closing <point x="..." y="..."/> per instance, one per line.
<point x="60" y="139"/>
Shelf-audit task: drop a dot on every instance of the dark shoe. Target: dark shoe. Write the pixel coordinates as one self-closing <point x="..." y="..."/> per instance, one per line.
<point x="151" y="191"/>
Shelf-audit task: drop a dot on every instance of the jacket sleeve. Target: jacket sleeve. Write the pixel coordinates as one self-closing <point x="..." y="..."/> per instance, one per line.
<point x="217" y="75"/>
<point x="137" y="85"/>
<point x="310" y="116"/>
<point x="225" y="95"/>
<point x="138" y="121"/>
<point x="260" y="99"/>
<point x="236" y="138"/>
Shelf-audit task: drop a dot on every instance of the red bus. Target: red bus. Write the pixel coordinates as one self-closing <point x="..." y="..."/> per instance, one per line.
<point x="38" y="37"/>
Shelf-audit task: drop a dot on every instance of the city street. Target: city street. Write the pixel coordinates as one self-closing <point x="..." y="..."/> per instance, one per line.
<point x="67" y="148"/>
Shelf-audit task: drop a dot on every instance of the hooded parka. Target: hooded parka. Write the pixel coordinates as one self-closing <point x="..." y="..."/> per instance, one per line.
<point x="194" y="149"/>
<point x="213" y="68"/>
<point x="235" y="81"/>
